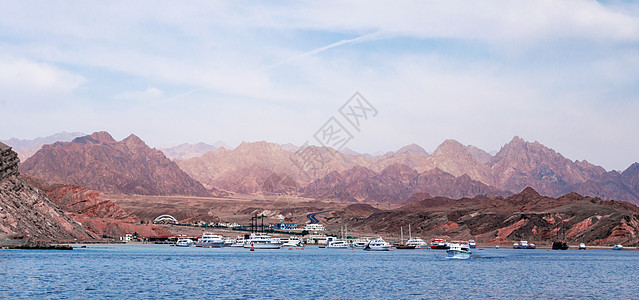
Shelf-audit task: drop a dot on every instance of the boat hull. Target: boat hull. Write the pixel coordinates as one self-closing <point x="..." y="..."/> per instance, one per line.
<point x="264" y="246"/>
<point x="210" y="245"/>
<point x="458" y="254"/>
<point x="378" y="248"/>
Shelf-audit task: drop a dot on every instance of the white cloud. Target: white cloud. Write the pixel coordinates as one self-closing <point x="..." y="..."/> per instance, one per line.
<point x="278" y="71"/>
<point x="32" y="77"/>
<point x="151" y="93"/>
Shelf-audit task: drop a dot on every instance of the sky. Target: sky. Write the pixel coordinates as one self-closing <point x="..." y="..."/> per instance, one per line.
<point x="564" y="73"/>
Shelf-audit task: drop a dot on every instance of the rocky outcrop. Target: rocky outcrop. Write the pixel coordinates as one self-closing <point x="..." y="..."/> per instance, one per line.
<point x="8" y="161"/>
<point x="98" y="162"/>
<point x="96" y="214"/>
<point x="26" y="211"/>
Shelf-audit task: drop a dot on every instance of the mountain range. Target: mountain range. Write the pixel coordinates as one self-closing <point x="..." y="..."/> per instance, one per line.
<point x="26" y="148"/>
<point x="452" y="170"/>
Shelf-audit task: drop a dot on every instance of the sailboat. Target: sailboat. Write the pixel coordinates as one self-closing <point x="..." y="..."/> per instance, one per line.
<point x="417" y="242"/>
<point x="401" y="242"/>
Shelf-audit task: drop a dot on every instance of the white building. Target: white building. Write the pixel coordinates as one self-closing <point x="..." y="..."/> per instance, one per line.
<point x="314" y="227"/>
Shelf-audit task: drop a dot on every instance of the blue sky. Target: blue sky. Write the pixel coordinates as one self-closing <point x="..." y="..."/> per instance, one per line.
<point x="564" y="73"/>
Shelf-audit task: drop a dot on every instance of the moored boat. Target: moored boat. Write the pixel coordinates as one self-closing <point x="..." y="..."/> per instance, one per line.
<point x="378" y="245"/>
<point x="472" y="244"/>
<point x="459" y="251"/>
<point x="439" y="244"/>
<point x="617" y="247"/>
<point x="337" y="244"/>
<point x="558" y="245"/>
<point x="262" y="241"/>
<point x="292" y="242"/>
<point x="210" y="240"/>
<point x="238" y="242"/>
<point x="184" y="242"/>
<point x="360" y="243"/>
<point x="417" y="242"/>
<point x="524" y="245"/>
<point x="582" y="246"/>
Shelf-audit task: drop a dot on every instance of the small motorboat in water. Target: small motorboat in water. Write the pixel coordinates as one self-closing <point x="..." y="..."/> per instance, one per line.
<point x="472" y="244"/>
<point x="360" y="243"/>
<point x="210" y="240"/>
<point x="292" y="242"/>
<point x="582" y="246"/>
<point x="378" y="245"/>
<point x="184" y="242"/>
<point x="439" y="244"/>
<point x="525" y="245"/>
<point x="617" y="247"/>
<point x="337" y="244"/>
<point x="560" y="245"/>
<point x="262" y="241"/>
<point x="417" y="242"/>
<point x="459" y="251"/>
<point x="238" y="242"/>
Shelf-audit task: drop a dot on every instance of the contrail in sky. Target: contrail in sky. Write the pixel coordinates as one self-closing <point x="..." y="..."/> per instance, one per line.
<point x="322" y="49"/>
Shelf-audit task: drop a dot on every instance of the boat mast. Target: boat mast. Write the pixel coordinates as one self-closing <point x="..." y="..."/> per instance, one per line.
<point x="401" y="232"/>
<point x="410" y="236"/>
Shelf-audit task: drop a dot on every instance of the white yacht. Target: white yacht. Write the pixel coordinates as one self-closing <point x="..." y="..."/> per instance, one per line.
<point x="292" y="242"/>
<point x="378" y="245"/>
<point x="459" y="251"/>
<point x="238" y="242"/>
<point x="582" y="246"/>
<point x="184" y="242"/>
<point x="617" y="247"/>
<point x="337" y="244"/>
<point x="210" y="240"/>
<point x="472" y="244"/>
<point x="360" y="243"/>
<point x="262" y="241"/>
<point x="417" y="242"/>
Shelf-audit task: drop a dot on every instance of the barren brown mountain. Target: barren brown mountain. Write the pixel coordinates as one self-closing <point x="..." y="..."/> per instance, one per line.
<point x="27" y="212"/>
<point x="454" y="158"/>
<point x="520" y="164"/>
<point x="395" y="184"/>
<point x="247" y="167"/>
<point x="100" y="163"/>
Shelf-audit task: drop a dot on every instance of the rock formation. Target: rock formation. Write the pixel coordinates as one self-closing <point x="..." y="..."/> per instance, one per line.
<point x="26" y="211"/>
<point x="96" y="214"/>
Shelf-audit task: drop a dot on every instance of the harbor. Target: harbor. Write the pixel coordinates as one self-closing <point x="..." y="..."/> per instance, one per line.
<point x="136" y="270"/>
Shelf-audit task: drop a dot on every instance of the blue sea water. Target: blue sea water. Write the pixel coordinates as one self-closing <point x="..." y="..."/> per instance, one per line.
<point x="161" y="271"/>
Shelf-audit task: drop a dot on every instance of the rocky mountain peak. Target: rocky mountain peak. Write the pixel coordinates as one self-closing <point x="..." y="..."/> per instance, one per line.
<point x="134" y="143"/>
<point x="100" y="137"/>
<point x="413" y="149"/>
<point x="529" y="192"/>
<point x="449" y="147"/>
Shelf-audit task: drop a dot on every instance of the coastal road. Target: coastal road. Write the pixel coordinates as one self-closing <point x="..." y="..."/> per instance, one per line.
<point x="312" y="216"/>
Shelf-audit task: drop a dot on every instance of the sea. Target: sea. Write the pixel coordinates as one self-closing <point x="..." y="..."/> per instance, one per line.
<point x="162" y="271"/>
